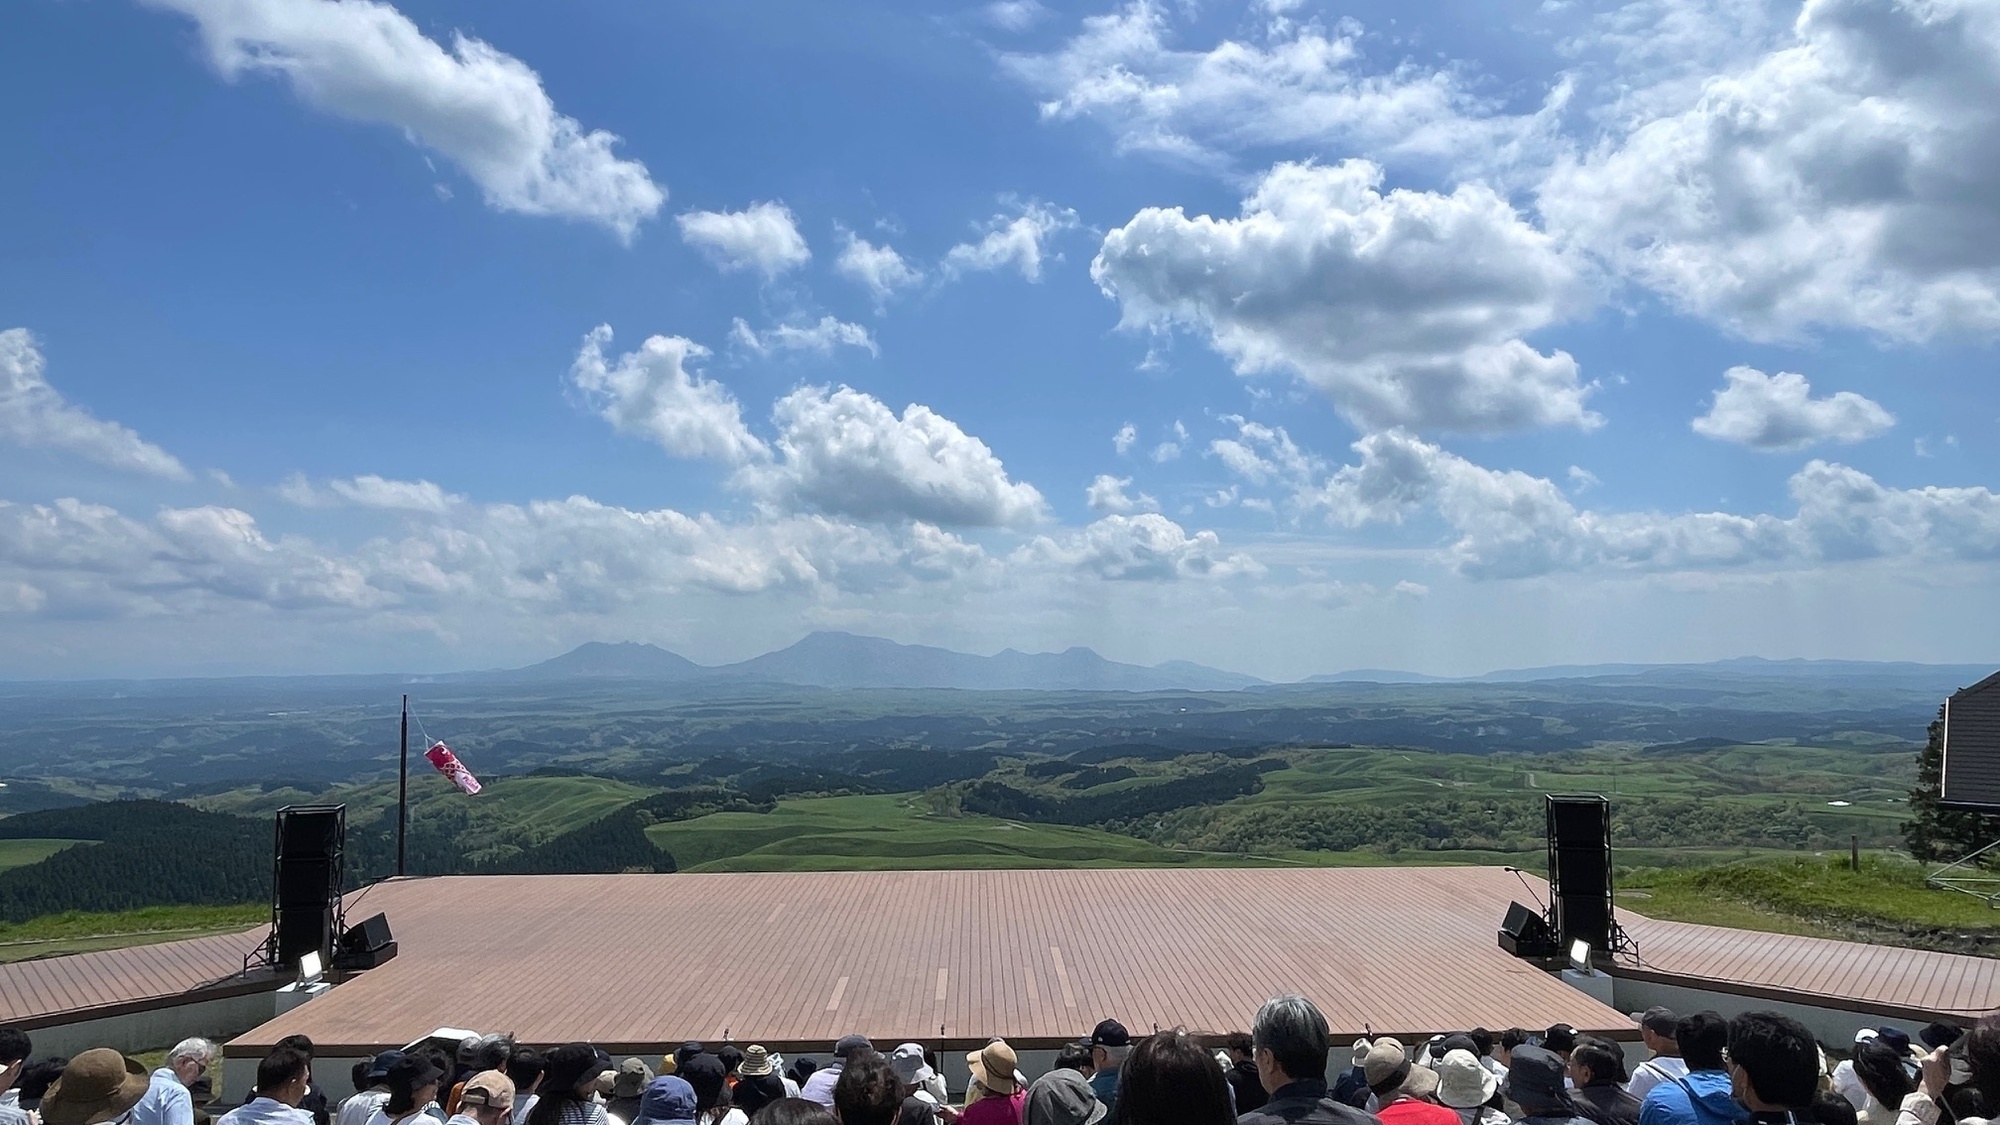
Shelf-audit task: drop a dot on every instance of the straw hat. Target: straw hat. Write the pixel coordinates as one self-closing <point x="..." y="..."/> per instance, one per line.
<point x="97" y="1086"/>
<point x="993" y="1067"/>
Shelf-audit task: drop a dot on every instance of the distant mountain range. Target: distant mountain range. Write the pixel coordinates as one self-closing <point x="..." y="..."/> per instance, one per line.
<point x="844" y="660"/>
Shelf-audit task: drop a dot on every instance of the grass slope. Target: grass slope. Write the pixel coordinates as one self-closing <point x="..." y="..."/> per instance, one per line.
<point x="892" y="832"/>
<point x="20" y="853"/>
<point x="74" y="932"/>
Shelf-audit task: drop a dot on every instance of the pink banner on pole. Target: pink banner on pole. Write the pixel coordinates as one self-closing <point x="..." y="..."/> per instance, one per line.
<point x="447" y="763"/>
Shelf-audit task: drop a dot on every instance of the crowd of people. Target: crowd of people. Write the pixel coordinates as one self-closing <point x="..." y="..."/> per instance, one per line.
<point x="1758" y="1068"/>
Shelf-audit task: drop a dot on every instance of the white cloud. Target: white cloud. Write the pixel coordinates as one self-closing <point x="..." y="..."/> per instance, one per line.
<point x="1510" y="524"/>
<point x="879" y="269"/>
<point x="823" y="337"/>
<point x="33" y="413"/>
<point x="1166" y="451"/>
<point x="1842" y="180"/>
<point x="1122" y="440"/>
<point x="370" y="491"/>
<point x="1581" y="478"/>
<point x="1304" y="86"/>
<point x="650" y="393"/>
<point x="762" y="236"/>
<point x="1015" y="241"/>
<point x="1107" y="494"/>
<point x="1014" y="15"/>
<point x="1139" y="548"/>
<point x="1406" y="308"/>
<point x="1261" y="454"/>
<point x="843" y="452"/>
<point x="1777" y="413"/>
<point x="484" y="110"/>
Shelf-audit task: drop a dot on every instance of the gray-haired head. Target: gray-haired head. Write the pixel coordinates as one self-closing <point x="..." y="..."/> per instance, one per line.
<point x="195" y="1050"/>
<point x="1294" y="1031"/>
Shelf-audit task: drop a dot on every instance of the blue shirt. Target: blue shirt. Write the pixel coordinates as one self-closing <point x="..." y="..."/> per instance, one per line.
<point x="166" y="1102"/>
<point x="1105" y="1085"/>
<point x="1713" y="1103"/>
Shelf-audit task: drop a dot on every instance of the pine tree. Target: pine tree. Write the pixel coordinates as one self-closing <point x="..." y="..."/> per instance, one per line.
<point x="1937" y="834"/>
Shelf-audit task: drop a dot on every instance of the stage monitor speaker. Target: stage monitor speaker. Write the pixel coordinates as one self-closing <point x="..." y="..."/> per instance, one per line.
<point x="1580" y="870"/>
<point x="1969" y="775"/>
<point x="307" y="872"/>
<point x="365" y="944"/>
<point x="1525" y="933"/>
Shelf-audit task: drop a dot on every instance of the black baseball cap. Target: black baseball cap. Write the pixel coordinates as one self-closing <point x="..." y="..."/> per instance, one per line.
<point x="1110" y="1033"/>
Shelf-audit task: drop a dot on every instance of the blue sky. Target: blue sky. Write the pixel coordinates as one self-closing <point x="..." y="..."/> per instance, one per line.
<point x="1504" y="335"/>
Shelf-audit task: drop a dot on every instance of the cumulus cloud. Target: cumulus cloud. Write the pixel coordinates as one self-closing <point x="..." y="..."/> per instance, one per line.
<point x="1407" y="308"/>
<point x="823" y="337"/>
<point x="1107" y="494"/>
<point x="1843" y="180"/>
<point x="370" y="491"/>
<point x="878" y="269"/>
<point x="1012" y="240"/>
<point x="1300" y="85"/>
<point x="840" y="451"/>
<point x="33" y="413"/>
<point x="1511" y="524"/>
<point x="1261" y="454"/>
<point x="1122" y="440"/>
<point x="650" y="393"/>
<point x="1146" y="547"/>
<point x="1777" y="413"/>
<point x="762" y="236"/>
<point x="478" y="107"/>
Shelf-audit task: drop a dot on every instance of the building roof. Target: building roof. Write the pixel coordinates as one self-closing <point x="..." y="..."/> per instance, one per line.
<point x="62" y="989"/>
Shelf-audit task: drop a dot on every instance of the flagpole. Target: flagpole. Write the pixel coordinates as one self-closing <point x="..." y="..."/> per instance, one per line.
<point x="403" y="791"/>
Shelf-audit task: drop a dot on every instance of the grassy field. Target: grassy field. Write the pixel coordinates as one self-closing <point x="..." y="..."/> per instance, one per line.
<point x="895" y="831"/>
<point x="1886" y="900"/>
<point x="20" y="853"/>
<point x="83" y="933"/>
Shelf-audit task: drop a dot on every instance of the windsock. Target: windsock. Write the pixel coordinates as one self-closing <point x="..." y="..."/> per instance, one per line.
<point x="447" y="763"/>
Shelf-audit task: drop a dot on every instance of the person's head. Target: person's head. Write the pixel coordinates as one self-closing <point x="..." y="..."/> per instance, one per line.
<point x="97" y="1085"/>
<point x="1596" y="1063"/>
<point x="191" y="1058"/>
<point x="1391" y="1075"/>
<point x="1510" y="1039"/>
<point x="1109" y="1044"/>
<point x="303" y="1044"/>
<point x="666" y="1098"/>
<point x="795" y="1111"/>
<point x="1560" y="1039"/>
<point x="524" y="1070"/>
<point x="1773" y="1061"/>
<point x="1940" y="1034"/>
<point x="1464" y="1082"/>
<point x="1482" y="1041"/>
<point x="1880" y="1070"/>
<point x="569" y="1075"/>
<point x="379" y="1068"/>
<point x="993" y="1067"/>
<point x="687" y="1050"/>
<point x="1238" y="1046"/>
<point x="911" y="1070"/>
<point x="1657" y="1027"/>
<point x="631" y="1078"/>
<point x="802" y="1068"/>
<point x="1062" y="1097"/>
<point x="488" y="1097"/>
<point x="413" y="1083"/>
<point x="1172" y="1080"/>
<point x="1535" y="1083"/>
<point x="14" y="1051"/>
<point x="1830" y="1107"/>
<point x="284" y="1075"/>
<point x="1288" y="1041"/>
<point x="1702" y="1038"/>
<point x="731" y="1056"/>
<point x="358" y="1075"/>
<point x="711" y="1087"/>
<point x="1980" y="1048"/>
<point x="849" y="1045"/>
<point x="37" y="1075"/>
<point x="1075" y="1056"/>
<point x="866" y="1093"/>
<point x="485" y="1052"/>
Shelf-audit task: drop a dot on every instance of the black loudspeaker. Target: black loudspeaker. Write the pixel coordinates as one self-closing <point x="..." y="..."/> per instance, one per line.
<point x="365" y="945"/>
<point x="308" y="870"/>
<point x="1580" y="871"/>
<point x="1525" y="933"/>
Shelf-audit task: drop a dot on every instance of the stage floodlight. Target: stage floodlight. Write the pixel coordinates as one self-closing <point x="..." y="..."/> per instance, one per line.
<point x="1579" y="955"/>
<point x="310" y="968"/>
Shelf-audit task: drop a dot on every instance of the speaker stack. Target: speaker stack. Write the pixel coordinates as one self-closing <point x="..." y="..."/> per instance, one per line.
<point x="308" y="871"/>
<point x="1580" y="893"/>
